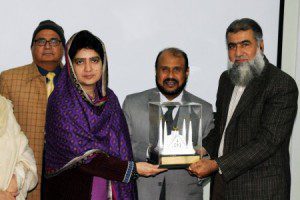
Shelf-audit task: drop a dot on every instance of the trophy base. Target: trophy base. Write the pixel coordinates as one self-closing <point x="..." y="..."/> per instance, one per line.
<point x="177" y="161"/>
<point x="171" y="161"/>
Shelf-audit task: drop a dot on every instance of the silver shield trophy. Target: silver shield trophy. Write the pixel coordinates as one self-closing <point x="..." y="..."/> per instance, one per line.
<point x="175" y="133"/>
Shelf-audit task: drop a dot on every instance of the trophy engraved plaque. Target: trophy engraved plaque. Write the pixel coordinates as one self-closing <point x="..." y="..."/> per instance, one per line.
<point x="175" y="133"/>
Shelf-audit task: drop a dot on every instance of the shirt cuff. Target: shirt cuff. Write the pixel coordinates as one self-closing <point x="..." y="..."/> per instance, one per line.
<point x="128" y="172"/>
<point x="219" y="170"/>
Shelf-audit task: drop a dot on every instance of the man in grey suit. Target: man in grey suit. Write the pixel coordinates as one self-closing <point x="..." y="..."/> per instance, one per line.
<point x="172" y="71"/>
<point x="256" y="107"/>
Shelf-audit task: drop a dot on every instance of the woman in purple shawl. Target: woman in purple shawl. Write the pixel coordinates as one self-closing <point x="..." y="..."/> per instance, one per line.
<point x="86" y="132"/>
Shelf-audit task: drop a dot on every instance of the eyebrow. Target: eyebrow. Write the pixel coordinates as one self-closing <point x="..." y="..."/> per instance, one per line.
<point x="76" y="58"/>
<point x="46" y="39"/>
<point x="241" y="42"/>
<point x="169" y="66"/>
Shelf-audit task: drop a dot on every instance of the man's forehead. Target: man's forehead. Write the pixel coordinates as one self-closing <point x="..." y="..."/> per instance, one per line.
<point x="47" y="33"/>
<point x="172" y="62"/>
<point x="240" y="36"/>
<point x="168" y="56"/>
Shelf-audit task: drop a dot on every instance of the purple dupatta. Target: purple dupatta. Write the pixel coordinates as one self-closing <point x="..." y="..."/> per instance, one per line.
<point x="75" y="125"/>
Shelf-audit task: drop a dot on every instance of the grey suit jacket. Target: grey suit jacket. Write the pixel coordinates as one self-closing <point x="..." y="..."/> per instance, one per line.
<point x="179" y="184"/>
<point x="255" y="161"/>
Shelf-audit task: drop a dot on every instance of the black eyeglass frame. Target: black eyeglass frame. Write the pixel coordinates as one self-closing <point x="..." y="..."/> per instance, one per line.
<point x="42" y="42"/>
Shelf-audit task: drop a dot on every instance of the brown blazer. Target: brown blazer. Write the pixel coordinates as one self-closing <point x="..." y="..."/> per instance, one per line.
<point x="26" y="88"/>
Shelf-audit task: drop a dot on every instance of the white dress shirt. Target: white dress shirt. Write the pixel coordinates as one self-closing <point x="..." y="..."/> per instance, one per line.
<point x="235" y="98"/>
<point x="164" y="99"/>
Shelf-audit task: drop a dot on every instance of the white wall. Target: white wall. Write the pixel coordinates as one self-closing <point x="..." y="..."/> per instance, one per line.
<point x="134" y="31"/>
<point x="291" y="65"/>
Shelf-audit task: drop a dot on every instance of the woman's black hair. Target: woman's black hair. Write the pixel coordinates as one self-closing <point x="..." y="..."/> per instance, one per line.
<point x="84" y="39"/>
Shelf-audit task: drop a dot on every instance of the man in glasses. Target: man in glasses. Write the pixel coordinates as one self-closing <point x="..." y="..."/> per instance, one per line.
<point x="29" y="86"/>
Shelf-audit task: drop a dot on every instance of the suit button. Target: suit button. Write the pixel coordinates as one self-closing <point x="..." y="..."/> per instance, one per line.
<point x="160" y="183"/>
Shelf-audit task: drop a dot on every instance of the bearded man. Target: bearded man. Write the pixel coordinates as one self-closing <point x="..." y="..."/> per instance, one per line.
<point x="256" y="107"/>
<point x="172" y="71"/>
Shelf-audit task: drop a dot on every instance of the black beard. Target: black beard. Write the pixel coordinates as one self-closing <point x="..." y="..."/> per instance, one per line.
<point x="175" y="92"/>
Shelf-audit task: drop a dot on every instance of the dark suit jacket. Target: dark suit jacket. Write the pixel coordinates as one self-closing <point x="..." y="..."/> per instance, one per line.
<point x="255" y="161"/>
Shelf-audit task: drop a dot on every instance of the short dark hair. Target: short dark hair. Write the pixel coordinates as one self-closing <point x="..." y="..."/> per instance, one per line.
<point x="85" y="39"/>
<point x="175" y="52"/>
<point x="245" y="24"/>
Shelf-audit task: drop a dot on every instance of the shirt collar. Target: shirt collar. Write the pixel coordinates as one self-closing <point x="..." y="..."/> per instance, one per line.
<point x="163" y="98"/>
<point x="44" y="72"/>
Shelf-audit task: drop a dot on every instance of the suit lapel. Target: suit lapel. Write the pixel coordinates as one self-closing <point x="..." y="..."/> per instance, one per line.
<point x="249" y="94"/>
<point x="185" y="97"/>
<point x="33" y="72"/>
<point x="153" y="96"/>
<point x="251" y="91"/>
<point x="39" y="81"/>
<point x="225" y="106"/>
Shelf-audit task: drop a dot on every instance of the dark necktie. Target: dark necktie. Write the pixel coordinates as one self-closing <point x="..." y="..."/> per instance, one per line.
<point x="169" y="118"/>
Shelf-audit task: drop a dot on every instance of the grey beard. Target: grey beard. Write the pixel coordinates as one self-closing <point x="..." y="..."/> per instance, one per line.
<point x="242" y="74"/>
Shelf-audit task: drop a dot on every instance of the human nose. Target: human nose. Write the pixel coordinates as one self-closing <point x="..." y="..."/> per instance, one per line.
<point x="170" y="73"/>
<point x="88" y="67"/>
<point x="47" y="44"/>
<point x="239" y="51"/>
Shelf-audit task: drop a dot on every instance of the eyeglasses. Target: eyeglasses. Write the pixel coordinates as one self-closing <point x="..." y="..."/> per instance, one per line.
<point x="52" y="42"/>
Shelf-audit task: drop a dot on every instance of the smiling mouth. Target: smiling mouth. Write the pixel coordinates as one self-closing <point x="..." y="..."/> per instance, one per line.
<point x="170" y="83"/>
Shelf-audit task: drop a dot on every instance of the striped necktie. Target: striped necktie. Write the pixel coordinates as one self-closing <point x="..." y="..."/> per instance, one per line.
<point x="50" y="84"/>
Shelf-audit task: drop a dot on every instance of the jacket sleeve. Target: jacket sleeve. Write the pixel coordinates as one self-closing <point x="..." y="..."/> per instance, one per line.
<point x="109" y="167"/>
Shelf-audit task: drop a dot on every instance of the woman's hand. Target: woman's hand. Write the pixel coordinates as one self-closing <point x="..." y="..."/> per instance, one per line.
<point x="147" y="169"/>
<point x="4" y="195"/>
<point x="13" y="186"/>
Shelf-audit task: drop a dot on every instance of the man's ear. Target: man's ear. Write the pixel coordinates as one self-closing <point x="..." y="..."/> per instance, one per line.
<point x="261" y="45"/>
<point x="187" y="72"/>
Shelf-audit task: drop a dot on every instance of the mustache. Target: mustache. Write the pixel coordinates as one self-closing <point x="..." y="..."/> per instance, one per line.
<point x="170" y="79"/>
<point x="236" y="64"/>
<point x="241" y="57"/>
